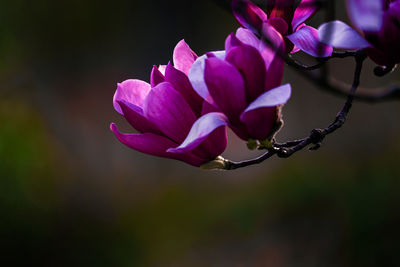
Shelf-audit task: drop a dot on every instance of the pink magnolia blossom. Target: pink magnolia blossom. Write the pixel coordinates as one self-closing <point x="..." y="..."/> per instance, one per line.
<point x="241" y="86"/>
<point x="377" y="24"/>
<point x="164" y="111"/>
<point x="288" y="19"/>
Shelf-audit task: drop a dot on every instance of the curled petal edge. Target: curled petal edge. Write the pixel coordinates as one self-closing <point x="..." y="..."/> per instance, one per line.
<point x="200" y="131"/>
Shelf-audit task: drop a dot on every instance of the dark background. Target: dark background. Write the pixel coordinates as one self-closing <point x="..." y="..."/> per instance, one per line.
<point x="72" y="195"/>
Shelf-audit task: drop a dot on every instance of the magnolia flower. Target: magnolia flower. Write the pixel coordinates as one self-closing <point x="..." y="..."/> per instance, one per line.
<point x="288" y="20"/>
<point x="378" y="23"/>
<point x="164" y="112"/>
<point x="241" y="87"/>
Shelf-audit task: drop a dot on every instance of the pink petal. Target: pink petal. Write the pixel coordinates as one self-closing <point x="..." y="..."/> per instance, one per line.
<point x="251" y="65"/>
<point x="155" y="145"/>
<point x="183" y="57"/>
<point x="340" y="35"/>
<point x="134" y="115"/>
<point x="248" y="14"/>
<point x="226" y="86"/>
<point x="168" y="110"/>
<point x="201" y="130"/>
<point x="304" y="10"/>
<point x="156" y="77"/>
<point x="182" y="84"/>
<point x="131" y="91"/>
<point x="306" y="38"/>
<point x="366" y="15"/>
<point x="162" y="68"/>
<point x="196" y="76"/>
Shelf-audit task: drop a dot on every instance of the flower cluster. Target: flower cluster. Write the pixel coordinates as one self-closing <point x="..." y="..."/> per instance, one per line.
<point x="184" y="112"/>
<point x="378" y="21"/>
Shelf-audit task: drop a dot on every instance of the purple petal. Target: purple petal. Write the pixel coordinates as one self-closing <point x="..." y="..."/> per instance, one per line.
<point x="155" y="145"/>
<point x="200" y="131"/>
<point x="251" y="65"/>
<point x="213" y="145"/>
<point x="260" y="122"/>
<point x="272" y="44"/>
<point x="279" y="24"/>
<point x="156" y="77"/>
<point x="183" y="57"/>
<point x="207" y="108"/>
<point x="273" y="57"/>
<point x="306" y="38"/>
<point x="366" y="15"/>
<point x="134" y="115"/>
<point x="248" y="14"/>
<point x="246" y="36"/>
<point x="231" y="41"/>
<point x="304" y="10"/>
<point x="182" y="84"/>
<point x="277" y="96"/>
<point x="196" y="76"/>
<point x="283" y="9"/>
<point x="261" y="115"/>
<point x="340" y="35"/>
<point x="131" y="91"/>
<point x="226" y="86"/>
<point x="168" y="110"/>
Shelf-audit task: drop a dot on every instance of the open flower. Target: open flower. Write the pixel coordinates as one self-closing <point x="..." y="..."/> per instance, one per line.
<point x="164" y="112"/>
<point x="288" y="20"/>
<point x="379" y="24"/>
<point x="242" y="88"/>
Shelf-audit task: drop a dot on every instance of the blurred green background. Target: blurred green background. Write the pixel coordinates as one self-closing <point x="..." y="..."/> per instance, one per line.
<point x="72" y="195"/>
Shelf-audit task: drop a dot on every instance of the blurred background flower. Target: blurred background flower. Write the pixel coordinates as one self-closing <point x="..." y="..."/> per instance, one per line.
<point x="72" y="195"/>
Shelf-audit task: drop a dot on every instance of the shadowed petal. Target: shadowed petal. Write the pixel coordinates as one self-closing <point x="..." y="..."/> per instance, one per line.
<point x="156" y="77"/>
<point x="340" y="35"/>
<point x="134" y="115"/>
<point x="131" y="91"/>
<point x="260" y="122"/>
<point x="306" y="38"/>
<point x="279" y="24"/>
<point x="304" y="10"/>
<point x="261" y="115"/>
<point x="196" y="76"/>
<point x="226" y="86"/>
<point x="248" y="14"/>
<point x="251" y="65"/>
<point x="168" y="110"/>
<point x="183" y="57"/>
<point x="200" y="131"/>
<point x="155" y="145"/>
<point x="283" y="9"/>
<point x="182" y="84"/>
<point x="366" y="15"/>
